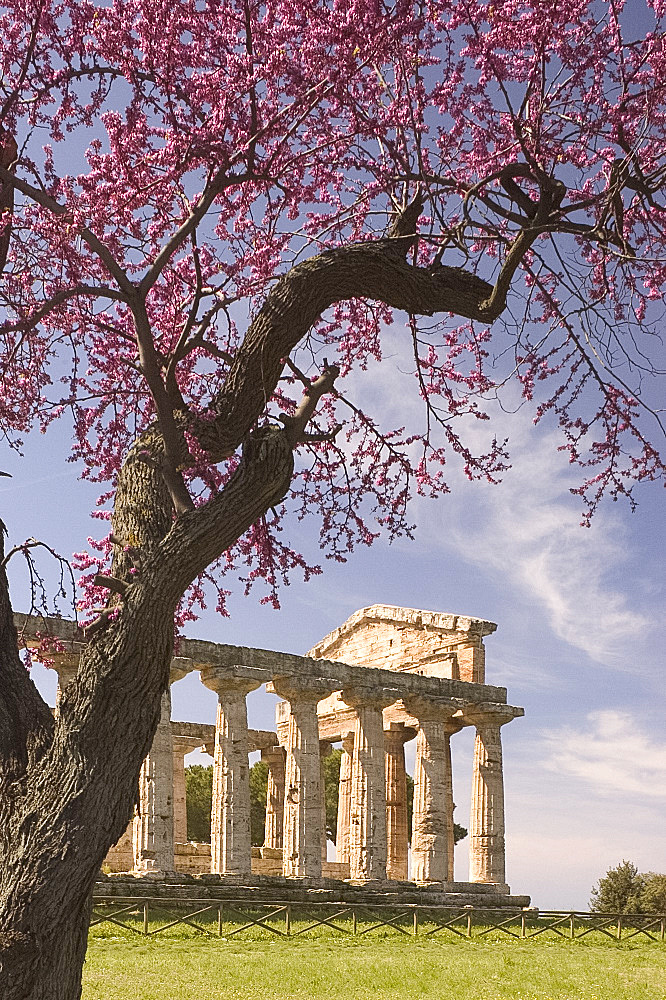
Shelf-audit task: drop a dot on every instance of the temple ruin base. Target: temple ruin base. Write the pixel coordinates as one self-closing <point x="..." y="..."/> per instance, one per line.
<point x="263" y="888"/>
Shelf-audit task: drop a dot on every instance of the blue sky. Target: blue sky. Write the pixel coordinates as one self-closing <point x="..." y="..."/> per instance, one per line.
<point x="579" y="642"/>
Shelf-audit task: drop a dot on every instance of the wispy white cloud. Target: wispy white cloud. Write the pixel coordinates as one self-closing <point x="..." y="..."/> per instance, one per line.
<point x="527" y="533"/>
<point x="614" y="756"/>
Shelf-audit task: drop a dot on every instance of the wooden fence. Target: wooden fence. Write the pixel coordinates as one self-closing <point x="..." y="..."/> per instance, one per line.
<point x="229" y="918"/>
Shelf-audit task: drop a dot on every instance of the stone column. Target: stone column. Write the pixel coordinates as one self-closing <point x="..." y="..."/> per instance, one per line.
<point x="397" y="845"/>
<point x="230" y="835"/>
<point x="182" y="745"/>
<point x="342" y="852"/>
<point x="153" y="823"/>
<point x="325" y="748"/>
<point x="368" y="792"/>
<point x="66" y="665"/>
<point x="486" y="826"/>
<point x="302" y="834"/>
<point x="275" y="758"/>
<point x="432" y="814"/>
<point x="152" y="833"/>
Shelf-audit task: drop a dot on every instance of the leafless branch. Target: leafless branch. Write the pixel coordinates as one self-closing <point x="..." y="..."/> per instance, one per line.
<point x="86" y="234"/>
<point x="296" y="423"/>
<point x="111" y="583"/>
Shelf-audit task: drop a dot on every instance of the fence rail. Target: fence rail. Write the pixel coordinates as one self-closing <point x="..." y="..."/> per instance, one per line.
<point x="228" y="918"/>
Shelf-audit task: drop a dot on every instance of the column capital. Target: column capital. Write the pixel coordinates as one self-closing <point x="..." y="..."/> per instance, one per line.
<point x="273" y="755"/>
<point x="347" y="740"/>
<point x="180" y="666"/>
<point x="426" y="708"/>
<point x="397" y="734"/>
<point x="490" y="714"/>
<point x="306" y="689"/>
<point x="186" y="744"/>
<point x="368" y="696"/>
<point x="234" y="678"/>
<point x="261" y="739"/>
<point x="65" y="665"/>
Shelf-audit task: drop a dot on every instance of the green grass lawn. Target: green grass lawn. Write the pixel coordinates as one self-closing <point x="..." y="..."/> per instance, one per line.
<point x="354" y="969"/>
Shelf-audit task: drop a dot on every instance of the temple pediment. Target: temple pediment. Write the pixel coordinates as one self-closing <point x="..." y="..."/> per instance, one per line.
<point x="410" y="640"/>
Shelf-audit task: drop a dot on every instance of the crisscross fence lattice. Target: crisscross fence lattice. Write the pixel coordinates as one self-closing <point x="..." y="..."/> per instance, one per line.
<point x="229" y="918"/>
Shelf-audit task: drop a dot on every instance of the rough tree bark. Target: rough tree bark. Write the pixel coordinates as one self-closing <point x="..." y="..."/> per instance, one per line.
<point x="67" y="787"/>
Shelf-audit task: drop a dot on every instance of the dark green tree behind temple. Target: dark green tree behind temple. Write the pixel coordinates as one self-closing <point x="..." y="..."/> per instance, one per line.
<point x="653" y="895"/>
<point x="624" y="889"/>
<point x="332" y="782"/>
<point x="258" y="789"/>
<point x="199" y="793"/>
<point x="199" y="796"/>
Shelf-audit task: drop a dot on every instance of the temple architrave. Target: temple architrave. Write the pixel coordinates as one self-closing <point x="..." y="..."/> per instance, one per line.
<point x="385" y="677"/>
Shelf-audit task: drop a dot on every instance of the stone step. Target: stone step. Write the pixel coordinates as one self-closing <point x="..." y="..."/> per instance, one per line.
<point x="262" y="889"/>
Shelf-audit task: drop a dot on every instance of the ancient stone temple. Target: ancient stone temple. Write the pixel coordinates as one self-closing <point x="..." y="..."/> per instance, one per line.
<point x="386" y="676"/>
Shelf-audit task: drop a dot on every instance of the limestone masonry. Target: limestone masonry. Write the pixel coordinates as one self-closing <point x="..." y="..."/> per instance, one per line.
<point x="386" y="676"/>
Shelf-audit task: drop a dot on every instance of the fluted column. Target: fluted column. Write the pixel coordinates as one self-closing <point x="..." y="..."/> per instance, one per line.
<point x="302" y="834"/>
<point x="275" y="759"/>
<point x="230" y="832"/>
<point x="66" y="665"/>
<point x="486" y="827"/>
<point x="432" y="813"/>
<point x="397" y="845"/>
<point x="325" y="749"/>
<point x="152" y="834"/>
<point x="368" y="794"/>
<point x="182" y="745"/>
<point x="342" y="851"/>
<point x="153" y="822"/>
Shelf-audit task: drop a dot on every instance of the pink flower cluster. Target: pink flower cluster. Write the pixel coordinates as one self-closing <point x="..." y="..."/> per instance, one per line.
<point x="185" y="155"/>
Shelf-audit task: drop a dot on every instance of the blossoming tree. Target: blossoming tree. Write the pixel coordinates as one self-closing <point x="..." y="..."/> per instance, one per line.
<point x="211" y="212"/>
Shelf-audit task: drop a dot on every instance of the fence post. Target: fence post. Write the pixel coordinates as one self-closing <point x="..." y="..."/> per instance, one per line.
<point x="145" y="917"/>
<point x="416" y="922"/>
<point x="469" y="923"/>
<point x="219" y="919"/>
<point x="354" y="921"/>
<point x="287" y="920"/>
<point x="522" y="924"/>
<point x="571" y="926"/>
<point x="619" y="928"/>
<point x="663" y="928"/>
